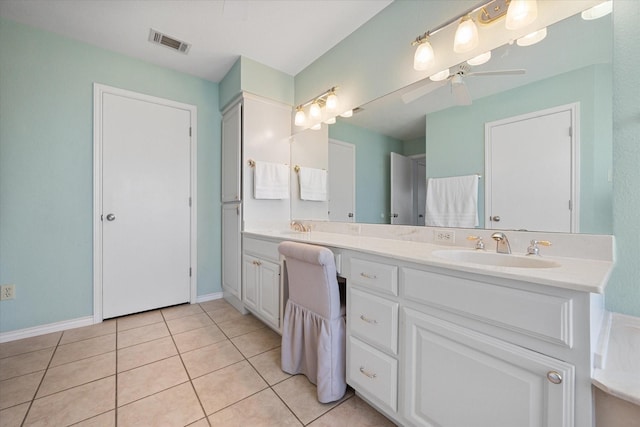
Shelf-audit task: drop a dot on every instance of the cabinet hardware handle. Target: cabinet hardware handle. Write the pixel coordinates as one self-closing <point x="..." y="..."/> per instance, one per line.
<point x="369" y="276"/>
<point x="554" y="377"/>
<point x="257" y="263"/>
<point x="367" y="373"/>
<point x="366" y="319"/>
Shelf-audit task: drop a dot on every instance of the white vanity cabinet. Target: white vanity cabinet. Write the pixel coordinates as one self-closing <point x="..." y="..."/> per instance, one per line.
<point x="261" y="280"/>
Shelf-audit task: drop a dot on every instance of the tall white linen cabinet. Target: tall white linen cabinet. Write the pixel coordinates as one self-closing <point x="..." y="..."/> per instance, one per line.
<point x="254" y="129"/>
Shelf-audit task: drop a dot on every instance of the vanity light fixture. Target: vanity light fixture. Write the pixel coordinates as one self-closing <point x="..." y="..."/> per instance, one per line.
<point x="597" y="11"/>
<point x="330" y="120"/>
<point x="466" y="38"/>
<point x="424" y="56"/>
<point x="327" y="100"/>
<point x="483" y="58"/>
<point x="441" y="75"/>
<point x="532" y="38"/>
<point x="317" y="126"/>
<point x="347" y="114"/>
<point x="521" y="13"/>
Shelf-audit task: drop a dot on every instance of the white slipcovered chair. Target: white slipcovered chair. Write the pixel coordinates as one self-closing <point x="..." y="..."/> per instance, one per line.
<point x="313" y="332"/>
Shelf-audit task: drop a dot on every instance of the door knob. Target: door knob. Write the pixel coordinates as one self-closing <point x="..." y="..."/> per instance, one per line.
<point x="111" y="217"/>
<point x="350" y="215"/>
<point x="495" y="218"/>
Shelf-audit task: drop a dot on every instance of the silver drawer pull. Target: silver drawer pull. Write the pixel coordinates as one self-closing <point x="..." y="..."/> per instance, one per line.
<point x="366" y="319"/>
<point x="368" y="374"/>
<point x="369" y="276"/>
<point x="554" y="377"/>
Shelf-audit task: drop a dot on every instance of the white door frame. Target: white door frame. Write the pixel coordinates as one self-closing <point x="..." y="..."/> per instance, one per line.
<point x="574" y="109"/>
<point x="99" y="90"/>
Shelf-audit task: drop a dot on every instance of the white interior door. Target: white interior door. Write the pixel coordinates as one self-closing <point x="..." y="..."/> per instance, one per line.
<point x="342" y="181"/>
<point x="531" y="172"/>
<point x="401" y="190"/>
<point x="146" y="205"/>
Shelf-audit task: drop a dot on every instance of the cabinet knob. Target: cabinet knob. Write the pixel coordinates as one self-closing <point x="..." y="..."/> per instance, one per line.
<point x="554" y="377"/>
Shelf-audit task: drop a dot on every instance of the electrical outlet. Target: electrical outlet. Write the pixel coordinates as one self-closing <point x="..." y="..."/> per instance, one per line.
<point x="447" y="237"/>
<point x="7" y="292"/>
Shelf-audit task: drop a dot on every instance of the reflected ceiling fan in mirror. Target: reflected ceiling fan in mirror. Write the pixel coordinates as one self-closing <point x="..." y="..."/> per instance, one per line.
<point x="456" y="81"/>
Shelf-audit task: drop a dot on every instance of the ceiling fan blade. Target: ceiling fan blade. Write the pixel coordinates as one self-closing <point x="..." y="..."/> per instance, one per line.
<point x="461" y="93"/>
<point x="497" y="73"/>
<point x="421" y="91"/>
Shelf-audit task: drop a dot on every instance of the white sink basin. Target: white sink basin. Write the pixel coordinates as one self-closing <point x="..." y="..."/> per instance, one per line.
<point x="495" y="259"/>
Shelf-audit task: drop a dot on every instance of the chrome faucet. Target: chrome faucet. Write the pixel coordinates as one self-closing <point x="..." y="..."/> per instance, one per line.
<point x="298" y="226"/>
<point x="503" y="246"/>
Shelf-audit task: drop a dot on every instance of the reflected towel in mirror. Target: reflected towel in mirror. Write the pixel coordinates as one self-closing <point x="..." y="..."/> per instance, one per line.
<point x="452" y="202"/>
<point x="313" y="184"/>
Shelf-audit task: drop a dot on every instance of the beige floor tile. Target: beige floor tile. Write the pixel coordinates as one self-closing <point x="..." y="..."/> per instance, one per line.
<point x="188" y="323"/>
<point x="210" y="358"/>
<point x="257" y="342"/>
<point x="225" y="314"/>
<point x="353" y="412"/>
<point x="200" y="423"/>
<point x="214" y="305"/>
<point x="82" y="349"/>
<point x="181" y="311"/>
<point x="246" y="324"/>
<point x="302" y="398"/>
<point x="108" y="419"/>
<point x="141" y="354"/>
<point x="138" y="320"/>
<point x="26" y="363"/>
<point x="263" y="409"/>
<point x="13" y="417"/>
<point x="177" y="406"/>
<point x="73" y="405"/>
<point x="73" y="374"/>
<point x="227" y="386"/>
<point x="78" y="334"/>
<point x="197" y="338"/>
<point x="19" y="389"/>
<point x="142" y="334"/>
<point x="27" y="345"/>
<point x="268" y="364"/>
<point x="149" y="379"/>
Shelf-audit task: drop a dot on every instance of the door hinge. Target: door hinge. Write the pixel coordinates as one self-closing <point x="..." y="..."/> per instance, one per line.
<point x="189" y="271"/>
<point x="101" y="217"/>
<point x="189" y="201"/>
<point x="189" y="131"/>
<point x="570" y="205"/>
<point x="571" y="131"/>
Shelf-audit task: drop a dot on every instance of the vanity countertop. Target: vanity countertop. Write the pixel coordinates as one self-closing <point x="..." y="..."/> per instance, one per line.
<point x="586" y="275"/>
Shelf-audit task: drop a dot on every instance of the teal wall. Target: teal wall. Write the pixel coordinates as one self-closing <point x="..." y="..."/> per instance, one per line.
<point x="414" y="146"/>
<point x="46" y="169"/>
<point x="623" y="292"/>
<point x="373" y="164"/>
<point x="459" y="150"/>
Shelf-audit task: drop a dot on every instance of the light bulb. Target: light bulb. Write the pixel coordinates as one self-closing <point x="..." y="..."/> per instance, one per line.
<point x="597" y="11"/>
<point x="314" y="110"/>
<point x="424" y="56"/>
<point x="441" y="75"/>
<point x="317" y="126"/>
<point x="330" y="120"/>
<point x="332" y="102"/>
<point x="466" y="37"/>
<point x="347" y="114"/>
<point x="300" y="117"/>
<point x="521" y="13"/>
<point x="533" y="38"/>
<point x="480" y="59"/>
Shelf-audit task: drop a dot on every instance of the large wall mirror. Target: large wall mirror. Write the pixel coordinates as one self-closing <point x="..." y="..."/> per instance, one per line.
<point x="424" y="125"/>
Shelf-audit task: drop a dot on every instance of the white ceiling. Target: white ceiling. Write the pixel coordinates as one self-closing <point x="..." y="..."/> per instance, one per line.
<point x="287" y="35"/>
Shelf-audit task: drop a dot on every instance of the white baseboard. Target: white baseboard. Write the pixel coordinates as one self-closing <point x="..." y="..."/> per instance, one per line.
<point x="46" y="329"/>
<point x="209" y="297"/>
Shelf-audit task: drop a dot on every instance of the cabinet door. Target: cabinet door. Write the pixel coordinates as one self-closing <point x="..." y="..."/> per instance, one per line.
<point x="458" y="377"/>
<point x="231" y="160"/>
<point x="269" y="292"/>
<point x="250" y="280"/>
<point x="231" y="247"/>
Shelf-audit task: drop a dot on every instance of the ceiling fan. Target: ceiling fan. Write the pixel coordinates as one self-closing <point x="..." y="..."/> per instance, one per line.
<point x="456" y="81"/>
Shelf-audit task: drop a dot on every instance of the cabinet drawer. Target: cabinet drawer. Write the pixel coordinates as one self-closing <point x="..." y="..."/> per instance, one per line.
<point x="261" y="248"/>
<point x="538" y="315"/>
<point x="382" y="277"/>
<point x="373" y="373"/>
<point x="373" y="319"/>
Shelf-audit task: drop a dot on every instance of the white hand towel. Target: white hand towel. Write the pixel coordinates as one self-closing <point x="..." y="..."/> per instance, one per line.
<point x="270" y="181"/>
<point x="452" y="202"/>
<point x="313" y="184"/>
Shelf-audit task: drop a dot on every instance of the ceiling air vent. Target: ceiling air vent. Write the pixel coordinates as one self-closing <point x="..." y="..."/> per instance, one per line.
<point x="164" y="40"/>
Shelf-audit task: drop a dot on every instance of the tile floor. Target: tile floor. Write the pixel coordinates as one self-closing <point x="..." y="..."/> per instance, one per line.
<point x="189" y="365"/>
